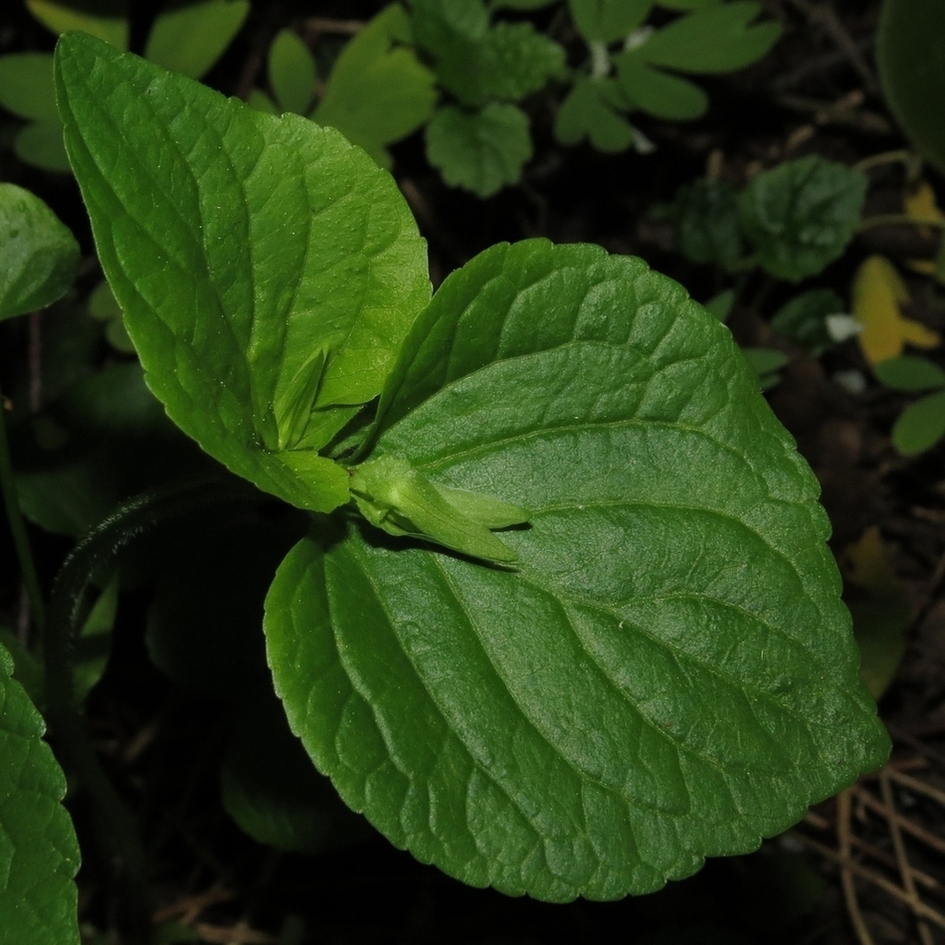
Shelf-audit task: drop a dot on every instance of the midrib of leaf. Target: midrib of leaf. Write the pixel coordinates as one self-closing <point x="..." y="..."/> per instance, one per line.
<point x="564" y="598"/>
<point x="454" y="730"/>
<point x="255" y="347"/>
<point x="794" y="193"/>
<point x="198" y="255"/>
<point x="580" y="771"/>
<point x="629" y="800"/>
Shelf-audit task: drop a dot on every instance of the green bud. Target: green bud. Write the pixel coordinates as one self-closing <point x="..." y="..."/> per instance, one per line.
<point x="391" y="494"/>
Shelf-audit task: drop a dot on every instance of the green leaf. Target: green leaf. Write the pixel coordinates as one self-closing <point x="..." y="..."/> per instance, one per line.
<point x="239" y="244"/>
<point x="439" y="25"/>
<point x="378" y="91"/>
<point x="921" y="425"/>
<point x="803" y="318"/>
<point x="107" y="20"/>
<point x="910" y="373"/>
<point x="669" y="674"/>
<point x="707" y="227"/>
<point x="190" y="37"/>
<point x="292" y="72"/>
<point x="26" y="85"/>
<point x="911" y="58"/>
<point x="802" y="214"/>
<point x="659" y="93"/>
<point x="39" y="257"/>
<point x="881" y="609"/>
<point x="259" y="100"/>
<point x="766" y="362"/>
<point x="715" y="38"/>
<point x="720" y="305"/>
<point x="607" y="21"/>
<point x="27" y="89"/>
<point x="588" y="112"/>
<point x="688" y="4"/>
<point x="479" y="63"/>
<point x="482" y="151"/>
<point x="513" y="61"/>
<point x="28" y="671"/>
<point x="882" y="635"/>
<point x="104" y="307"/>
<point x="40" y="144"/>
<point x="38" y="848"/>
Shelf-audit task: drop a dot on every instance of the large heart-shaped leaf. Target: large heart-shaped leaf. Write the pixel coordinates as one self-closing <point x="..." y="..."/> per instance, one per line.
<point x="267" y="269"/>
<point x="666" y="674"/>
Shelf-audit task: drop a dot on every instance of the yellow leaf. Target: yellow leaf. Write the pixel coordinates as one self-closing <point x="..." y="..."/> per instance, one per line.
<point x="920" y="203"/>
<point x="878" y="291"/>
<point x="924" y="266"/>
<point x="915" y="333"/>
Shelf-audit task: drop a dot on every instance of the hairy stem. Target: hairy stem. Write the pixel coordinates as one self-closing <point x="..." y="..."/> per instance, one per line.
<point x="116" y="828"/>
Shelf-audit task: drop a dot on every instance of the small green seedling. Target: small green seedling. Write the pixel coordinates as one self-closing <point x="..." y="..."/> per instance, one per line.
<point x="634" y="67"/>
<point x="466" y="74"/>
<point x="798" y="218"/>
<point x="378" y="92"/>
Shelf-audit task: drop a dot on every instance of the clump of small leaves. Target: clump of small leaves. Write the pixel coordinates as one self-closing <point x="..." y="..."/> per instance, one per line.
<point x="631" y="66"/>
<point x="465" y="74"/>
<point x="797" y="218"/>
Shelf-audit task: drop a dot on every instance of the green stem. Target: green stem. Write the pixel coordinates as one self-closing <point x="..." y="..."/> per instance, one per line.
<point x="116" y="829"/>
<point x="887" y="157"/>
<point x="600" y="59"/>
<point x="21" y="542"/>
